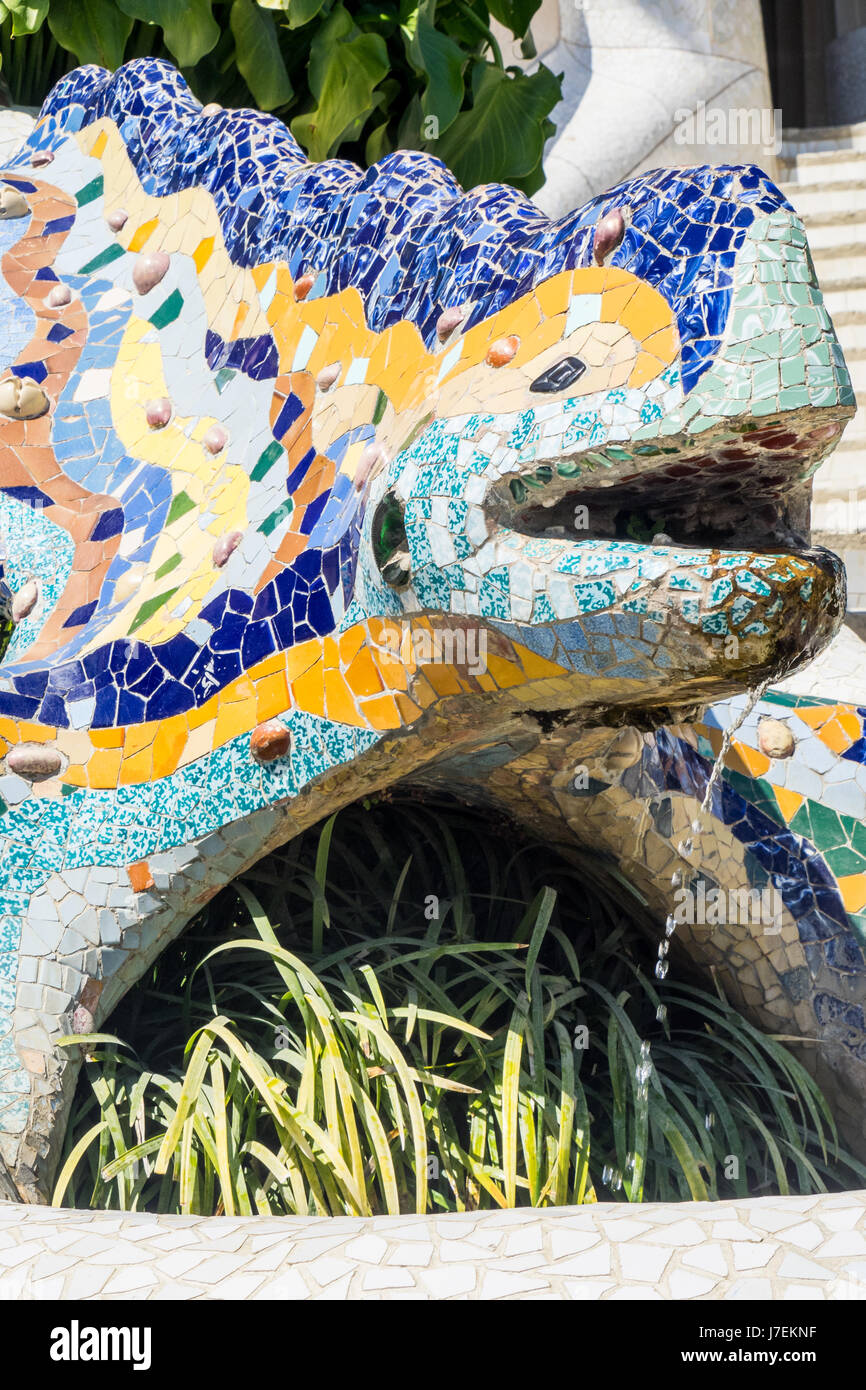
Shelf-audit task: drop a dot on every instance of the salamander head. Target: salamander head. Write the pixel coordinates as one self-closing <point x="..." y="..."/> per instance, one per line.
<point x="617" y="471"/>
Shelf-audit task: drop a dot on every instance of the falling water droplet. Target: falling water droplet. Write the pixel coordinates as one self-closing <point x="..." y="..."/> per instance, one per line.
<point x="664" y="947"/>
<point x="661" y="969"/>
<point x="676" y="879"/>
<point x="752" y="699"/>
<point x="612" y="1178"/>
<point x="670" y="925"/>
<point x="709" y="1120"/>
<point x="644" y="1070"/>
<point x="698" y="826"/>
<point x="685" y="847"/>
<point x="662" y="1013"/>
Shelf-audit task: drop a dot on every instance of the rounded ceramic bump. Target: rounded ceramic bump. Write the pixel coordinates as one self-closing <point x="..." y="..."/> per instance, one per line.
<point x="118" y="219"/>
<point x="25" y="601"/>
<point x="82" y="1019"/>
<point x="58" y="296"/>
<point x="22" y="399"/>
<point x="662" y="538"/>
<point x="158" y="413"/>
<point x="366" y="463"/>
<point x="608" y="235"/>
<point x="215" y="439"/>
<point x="447" y="322"/>
<point x="328" y="375"/>
<point x="225" y="547"/>
<point x="12" y="203"/>
<point x="212" y="108"/>
<point x="149" y="269"/>
<point x="35" y="762"/>
<point x="775" y="739"/>
<point x="625" y="751"/>
<point x="269" y="741"/>
<point x="41" y="158"/>
<point x="303" y="285"/>
<point x="502" y="351"/>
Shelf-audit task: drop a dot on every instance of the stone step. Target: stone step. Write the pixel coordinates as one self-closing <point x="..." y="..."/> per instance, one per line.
<point x="819" y="139"/>
<point x="841" y="475"/>
<point x="847" y="196"/>
<point x="834" y="166"/>
<point x="851" y="329"/>
<point x="844" y="295"/>
<point x="827" y="239"/>
<point x="838" y="519"/>
<point x="857" y="369"/>
<point x="839" y="263"/>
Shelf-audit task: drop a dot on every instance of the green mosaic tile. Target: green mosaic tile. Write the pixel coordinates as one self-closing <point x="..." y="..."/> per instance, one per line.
<point x="266" y="460"/>
<point x="168" y="311"/>
<point x="91" y="191"/>
<point x="152" y="606"/>
<point x="111" y="253"/>
<point x="181" y="503"/>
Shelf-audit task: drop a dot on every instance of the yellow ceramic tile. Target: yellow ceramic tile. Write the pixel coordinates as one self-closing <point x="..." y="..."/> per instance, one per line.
<point x="757" y="763"/>
<point x="106" y="738"/>
<point x="203" y="252"/>
<point x="272" y="696"/>
<point x="381" y="712"/>
<point x="103" y="768"/>
<point x="647" y="312"/>
<point x="853" y="890"/>
<point x="339" y="703"/>
<point x="849" y="722"/>
<point x="142" y="234"/>
<point x="789" y="802"/>
<point x="234" y="718"/>
<point x="362" y="676"/>
<point x="98" y="145"/>
<point x="308" y="690"/>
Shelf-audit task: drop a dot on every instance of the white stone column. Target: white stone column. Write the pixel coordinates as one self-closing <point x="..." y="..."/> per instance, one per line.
<point x="632" y="68"/>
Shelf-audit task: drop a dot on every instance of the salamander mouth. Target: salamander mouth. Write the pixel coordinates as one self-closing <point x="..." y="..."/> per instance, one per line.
<point x="747" y="490"/>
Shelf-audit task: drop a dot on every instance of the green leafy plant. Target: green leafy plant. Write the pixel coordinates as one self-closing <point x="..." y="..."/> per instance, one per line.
<point x="354" y="80"/>
<point x="377" y="1020"/>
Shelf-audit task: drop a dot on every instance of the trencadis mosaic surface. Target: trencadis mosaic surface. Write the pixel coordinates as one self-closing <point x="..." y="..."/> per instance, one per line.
<point x="284" y="448"/>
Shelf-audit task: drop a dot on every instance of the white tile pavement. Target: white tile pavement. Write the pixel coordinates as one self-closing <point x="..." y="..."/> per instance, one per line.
<point x="761" y="1248"/>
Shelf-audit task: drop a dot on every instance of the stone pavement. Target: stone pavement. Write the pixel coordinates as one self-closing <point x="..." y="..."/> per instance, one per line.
<point x="761" y="1248"/>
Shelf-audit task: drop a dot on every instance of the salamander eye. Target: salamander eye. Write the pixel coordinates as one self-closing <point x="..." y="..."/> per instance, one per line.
<point x="390" y="546"/>
<point x="560" y="375"/>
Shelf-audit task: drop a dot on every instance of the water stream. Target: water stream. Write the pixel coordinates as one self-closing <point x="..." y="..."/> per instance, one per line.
<point x="644" y="1066"/>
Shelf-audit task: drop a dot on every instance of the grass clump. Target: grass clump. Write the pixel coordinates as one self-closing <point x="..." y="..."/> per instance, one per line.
<point x="403" y="1012"/>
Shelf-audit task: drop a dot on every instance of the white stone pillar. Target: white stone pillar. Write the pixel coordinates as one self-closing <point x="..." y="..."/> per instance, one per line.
<point x="632" y="68"/>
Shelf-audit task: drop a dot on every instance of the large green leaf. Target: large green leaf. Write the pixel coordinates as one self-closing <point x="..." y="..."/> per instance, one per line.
<point x="188" y="26"/>
<point x="531" y="182"/>
<point x="94" y="30"/>
<point x="441" y="61"/>
<point x="258" y="55"/>
<point x="503" y="136"/>
<point x="297" y="12"/>
<point x="27" y="15"/>
<point x="344" y="69"/>
<point x="514" y="14"/>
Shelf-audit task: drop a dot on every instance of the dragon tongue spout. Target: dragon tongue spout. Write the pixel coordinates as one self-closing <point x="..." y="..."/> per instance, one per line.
<point x="321" y="477"/>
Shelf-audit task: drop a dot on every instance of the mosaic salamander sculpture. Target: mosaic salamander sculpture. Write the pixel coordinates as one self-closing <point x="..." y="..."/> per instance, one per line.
<point x="314" y="480"/>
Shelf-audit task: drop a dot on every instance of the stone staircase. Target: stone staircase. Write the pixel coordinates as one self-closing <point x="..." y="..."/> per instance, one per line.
<point x="823" y="174"/>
